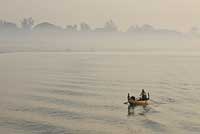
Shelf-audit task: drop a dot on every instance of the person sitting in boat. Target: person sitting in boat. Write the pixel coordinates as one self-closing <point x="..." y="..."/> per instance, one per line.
<point x="130" y="98"/>
<point x="133" y="98"/>
<point x="143" y="95"/>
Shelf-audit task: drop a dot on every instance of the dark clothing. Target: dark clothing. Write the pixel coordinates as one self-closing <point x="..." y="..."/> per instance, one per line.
<point x="143" y="95"/>
<point x="133" y="97"/>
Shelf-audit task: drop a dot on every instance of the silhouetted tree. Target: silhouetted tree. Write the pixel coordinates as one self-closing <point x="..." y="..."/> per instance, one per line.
<point x="47" y="27"/>
<point x="143" y="29"/>
<point x="85" y="27"/>
<point x="147" y="27"/>
<point x="27" y="23"/>
<point x="8" y="26"/>
<point x="110" y="26"/>
<point x="72" y="28"/>
<point x="134" y="29"/>
<point x="194" y="30"/>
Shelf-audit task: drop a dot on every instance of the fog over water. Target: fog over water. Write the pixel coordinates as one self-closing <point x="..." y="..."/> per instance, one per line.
<point x="170" y="14"/>
<point x="67" y="67"/>
<point x="79" y="86"/>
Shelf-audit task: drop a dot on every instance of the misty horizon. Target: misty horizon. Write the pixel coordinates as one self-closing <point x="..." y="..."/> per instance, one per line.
<point x="171" y="14"/>
<point x="78" y="26"/>
<point x="46" y="36"/>
<point x="29" y="25"/>
<point x="99" y="66"/>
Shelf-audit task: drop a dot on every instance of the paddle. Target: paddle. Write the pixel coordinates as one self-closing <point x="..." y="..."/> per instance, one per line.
<point x="125" y="102"/>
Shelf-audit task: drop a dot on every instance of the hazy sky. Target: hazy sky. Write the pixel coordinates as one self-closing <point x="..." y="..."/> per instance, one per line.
<point x="179" y="14"/>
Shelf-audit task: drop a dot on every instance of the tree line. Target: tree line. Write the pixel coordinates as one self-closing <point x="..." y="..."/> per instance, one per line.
<point x="28" y="25"/>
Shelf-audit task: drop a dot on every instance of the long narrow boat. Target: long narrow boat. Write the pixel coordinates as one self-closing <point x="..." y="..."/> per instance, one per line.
<point x="138" y="102"/>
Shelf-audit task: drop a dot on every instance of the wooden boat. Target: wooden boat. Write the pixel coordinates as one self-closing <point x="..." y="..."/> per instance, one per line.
<point x="138" y="102"/>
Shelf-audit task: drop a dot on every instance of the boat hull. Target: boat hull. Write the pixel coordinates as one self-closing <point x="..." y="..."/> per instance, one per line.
<point x="138" y="102"/>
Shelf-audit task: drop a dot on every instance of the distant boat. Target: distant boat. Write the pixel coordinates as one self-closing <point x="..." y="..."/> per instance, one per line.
<point x="138" y="102"/>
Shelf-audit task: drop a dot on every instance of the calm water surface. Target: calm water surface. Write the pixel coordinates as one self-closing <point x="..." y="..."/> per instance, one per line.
<point x="83" y="93"/>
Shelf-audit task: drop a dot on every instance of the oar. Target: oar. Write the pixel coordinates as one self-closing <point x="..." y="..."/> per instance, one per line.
<point x="148" y="96"/>
<point x="125" y="102"/>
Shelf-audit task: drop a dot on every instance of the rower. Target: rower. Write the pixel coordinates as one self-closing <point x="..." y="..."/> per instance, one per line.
<point x="133" y="98"/>
<point x="143" y="95"/>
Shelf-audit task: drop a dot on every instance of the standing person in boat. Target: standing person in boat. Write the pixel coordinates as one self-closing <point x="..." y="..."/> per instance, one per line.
<point x="143" y="95"/>
<point x="128" y="97"/>
<point x="132" y="97"/>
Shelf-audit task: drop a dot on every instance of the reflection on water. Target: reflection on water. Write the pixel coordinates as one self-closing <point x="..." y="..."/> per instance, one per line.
<point x="143" y="111"/>
<point x="82" y="93"/>
<point x="131" y="110"/>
